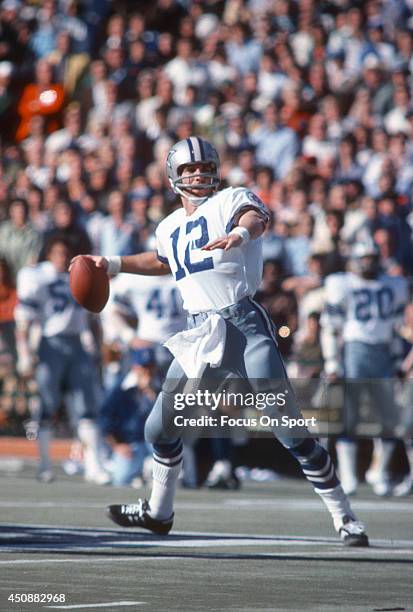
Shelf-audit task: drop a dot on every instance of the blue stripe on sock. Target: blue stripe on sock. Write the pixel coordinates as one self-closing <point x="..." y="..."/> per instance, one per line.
<point x="313" y="457"/>
<point x="304" y="449"/>
<point x="169" y="465"/>
<point x="170" y="450"/>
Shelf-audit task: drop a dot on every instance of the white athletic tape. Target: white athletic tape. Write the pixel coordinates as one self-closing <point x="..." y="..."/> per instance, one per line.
<point x="114" y="265"/>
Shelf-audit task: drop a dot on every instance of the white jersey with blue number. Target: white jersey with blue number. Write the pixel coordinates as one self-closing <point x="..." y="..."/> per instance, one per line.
<point x="44" y="296"/>
<point x="154" y="300"/>
<point x="364" y="310"/>
<point x="211" y="280"/>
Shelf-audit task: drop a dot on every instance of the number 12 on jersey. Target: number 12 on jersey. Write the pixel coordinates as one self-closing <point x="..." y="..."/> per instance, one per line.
<point x="196" y="243"/>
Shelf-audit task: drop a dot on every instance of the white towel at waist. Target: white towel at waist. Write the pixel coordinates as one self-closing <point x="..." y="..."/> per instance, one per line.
<point x="195" y="348"/>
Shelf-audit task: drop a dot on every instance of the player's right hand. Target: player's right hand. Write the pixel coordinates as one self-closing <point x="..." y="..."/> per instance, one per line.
<point x="225" y="243"/>
<point x="100" y="262"/>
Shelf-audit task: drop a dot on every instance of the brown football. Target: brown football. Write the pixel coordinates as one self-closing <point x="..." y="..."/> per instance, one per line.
<point x="89" y="285"/>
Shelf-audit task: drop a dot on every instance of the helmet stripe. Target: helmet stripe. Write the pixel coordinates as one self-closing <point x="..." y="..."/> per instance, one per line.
<point x="201" y="148"/>
<point x="191" y="149"/>
<point x="197" y="150"/>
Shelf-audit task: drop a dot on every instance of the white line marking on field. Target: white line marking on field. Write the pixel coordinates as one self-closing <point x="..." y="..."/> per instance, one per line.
<point x="305" y="504"/>
<point x="44" y="504"/>
<point x="368" y="554"/>
<point x="177" y="539"/>
<point x="257" y="504"/>
<point x="89" y="561"/>
<point x="110" y="604"/>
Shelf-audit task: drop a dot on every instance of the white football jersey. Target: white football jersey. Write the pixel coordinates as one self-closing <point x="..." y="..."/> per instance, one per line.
<point x="211" y="280"/>
<point x="364" y="310"/>
<point x="44" y="296"/>
<point x="154" y="300"/>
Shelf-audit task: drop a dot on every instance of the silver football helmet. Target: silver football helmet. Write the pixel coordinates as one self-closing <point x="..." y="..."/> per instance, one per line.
<point x="365" y="258"/>
<point x="189" y="151"/>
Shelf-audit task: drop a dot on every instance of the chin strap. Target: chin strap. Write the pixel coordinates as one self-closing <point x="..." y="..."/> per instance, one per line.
<point x="195" y="200"/>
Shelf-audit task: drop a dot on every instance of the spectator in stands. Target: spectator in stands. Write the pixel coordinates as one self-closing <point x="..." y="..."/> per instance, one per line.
<point x="7" y="101"/>
<point x="276" y="145"/>
<point x="244" y="53"/>
<point x="19" y="241"/>
<point x="70" y="132"/>
<point x="298" y="245"/>
<point x="66" y="227"/>
<point x="44" y="38"/>
<point x="68" y="66"/>
<point x="43" y="97"/>
<point x="118" y="235"/>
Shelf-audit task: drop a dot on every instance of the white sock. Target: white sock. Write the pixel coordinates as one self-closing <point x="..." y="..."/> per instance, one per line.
<point x="89" y="436"/>
<point x="164" y="483"/>
<point x="347" y="464"/>
<point x="382" y="454"/>
<point x="337" y="504"/>
<point x="220" y="469"/>
<point x="44" y="437"/>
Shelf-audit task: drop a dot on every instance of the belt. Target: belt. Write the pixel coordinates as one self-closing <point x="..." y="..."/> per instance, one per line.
<point x="226" y="313"/>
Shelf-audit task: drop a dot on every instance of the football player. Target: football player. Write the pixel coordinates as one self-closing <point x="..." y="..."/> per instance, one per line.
<point x="212" y="245"/>
<point x="63" y="363"/>
<point x="363" y="307"/>
<point x="156" y="305"/>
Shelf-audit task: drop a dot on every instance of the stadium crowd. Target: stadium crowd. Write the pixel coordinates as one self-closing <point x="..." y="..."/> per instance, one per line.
<point x="308" y="104"/>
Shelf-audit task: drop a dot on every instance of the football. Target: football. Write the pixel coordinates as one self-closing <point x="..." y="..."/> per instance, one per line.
<point x="89" y="285"/>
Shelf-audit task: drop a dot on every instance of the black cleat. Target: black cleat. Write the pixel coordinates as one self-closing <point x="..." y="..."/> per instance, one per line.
<point x="352" y="533"/>
<point x="137" y="515"/>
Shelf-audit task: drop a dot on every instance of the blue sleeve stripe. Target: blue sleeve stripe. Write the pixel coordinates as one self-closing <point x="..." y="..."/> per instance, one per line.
<point x="118" y="299"/>
<point x="333" y="309"/>
<point x="248" y="205"/>
<point x="30" y="304"/>
<point x="161" y="258"/>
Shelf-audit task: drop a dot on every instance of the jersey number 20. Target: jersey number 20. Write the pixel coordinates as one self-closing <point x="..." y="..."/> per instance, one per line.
<point x="366" y="299"/>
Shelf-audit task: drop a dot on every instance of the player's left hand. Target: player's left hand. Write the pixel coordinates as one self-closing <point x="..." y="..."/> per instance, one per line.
<point x="225" y="242"/>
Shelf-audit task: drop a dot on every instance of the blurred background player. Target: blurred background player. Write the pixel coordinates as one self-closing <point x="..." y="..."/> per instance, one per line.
<point x="61" y="362"/>
<point x="123" y="415"/>
<point x="153" y="304"/>
<point x="363" y="307"/>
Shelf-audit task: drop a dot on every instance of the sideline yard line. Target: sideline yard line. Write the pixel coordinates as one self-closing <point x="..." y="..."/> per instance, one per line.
<point x="188" y="538"/>
<point x="305" y="504"/>
<point x="368" y="555"/>
<point x="372" y="553"/>
<point x="298" y="504"/>
<point x="89" y="561"/>
<point x="110" y="604"/>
